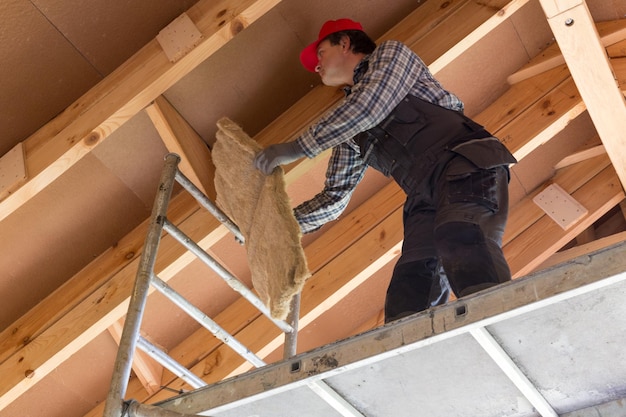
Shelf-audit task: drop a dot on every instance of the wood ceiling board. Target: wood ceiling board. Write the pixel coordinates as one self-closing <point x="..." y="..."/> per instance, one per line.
<point x="456" y="26"/>
<point x="135" y="153"/>
<point x="68" y="228"/>
<point x="611" y="33"/>
<point x="603" y="10"/>
<point x="538" y="167"/>
<point x="74" y="387"/>
<point x="219" y="87"/>
<point x="477" y="76"/>
<point x="99" y="30"/>
<point x="40" y="79"/>
<point x="84" y="283"/>
<point x="305" y="19"/>
<point x="268" y="51"/>
<point x="532" y="28"/>
<point x="128" y="90"/>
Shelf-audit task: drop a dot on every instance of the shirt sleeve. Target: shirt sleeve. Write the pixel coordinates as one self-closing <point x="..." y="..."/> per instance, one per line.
<point x="345" y="171"/>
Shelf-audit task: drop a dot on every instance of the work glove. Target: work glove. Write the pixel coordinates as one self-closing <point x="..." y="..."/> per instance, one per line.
<point x="279" y="154"/>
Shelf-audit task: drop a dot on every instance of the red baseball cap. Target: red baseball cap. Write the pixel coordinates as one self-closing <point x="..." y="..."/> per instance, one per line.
<point x="308" y="56"/>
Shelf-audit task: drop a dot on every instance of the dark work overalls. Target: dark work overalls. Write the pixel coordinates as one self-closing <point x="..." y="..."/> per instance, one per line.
<point x="455" y="175"/>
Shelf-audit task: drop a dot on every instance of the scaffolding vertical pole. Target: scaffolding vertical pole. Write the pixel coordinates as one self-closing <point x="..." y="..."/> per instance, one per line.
<point x="130" y="333"/>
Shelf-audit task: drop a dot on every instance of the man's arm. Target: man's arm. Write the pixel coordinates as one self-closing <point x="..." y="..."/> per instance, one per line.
<point x="345" y="171"/>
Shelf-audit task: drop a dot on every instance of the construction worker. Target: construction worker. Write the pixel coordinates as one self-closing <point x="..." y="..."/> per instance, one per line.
<point x="397" y="118"/>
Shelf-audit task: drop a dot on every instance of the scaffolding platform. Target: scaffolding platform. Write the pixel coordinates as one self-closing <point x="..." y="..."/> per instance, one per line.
<point x="549" y="344"/>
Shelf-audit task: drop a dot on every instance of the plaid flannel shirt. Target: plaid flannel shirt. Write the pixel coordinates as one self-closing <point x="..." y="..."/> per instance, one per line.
<point x="381" y="80"/>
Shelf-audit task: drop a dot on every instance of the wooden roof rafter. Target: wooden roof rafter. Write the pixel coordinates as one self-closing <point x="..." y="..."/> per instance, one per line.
<point x="58" y="145"/>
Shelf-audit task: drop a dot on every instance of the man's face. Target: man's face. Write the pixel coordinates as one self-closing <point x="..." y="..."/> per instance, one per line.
<point x="333" y="64"/>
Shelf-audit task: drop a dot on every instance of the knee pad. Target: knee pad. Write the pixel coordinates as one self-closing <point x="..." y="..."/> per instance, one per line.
<point x="468" y="259"/>
<point x="451" y="236"/>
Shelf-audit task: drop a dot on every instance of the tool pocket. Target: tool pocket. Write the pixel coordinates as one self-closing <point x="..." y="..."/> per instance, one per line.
<point x="469" y="184"/>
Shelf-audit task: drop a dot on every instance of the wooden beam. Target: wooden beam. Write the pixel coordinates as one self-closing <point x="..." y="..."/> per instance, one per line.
<point x="591" y="70"/>
<point x="57" y="146"/>
<point x="180" y="138"/>
<point x="580" y="156"/>
<point x="543" y="120"/>
<point x="87" y="281"/>
<point x="12" y="170"/>
<point x="148" y="371"/>
<point x="617" y="50"/>
<point x="490" y="24"/>
<point x="536" y="244"/>
<point x="423" y="20"/>
<point x="610" y="33"/>
<point x="576" y="251"/>
<point x="520" y="97"/>
<point x="548" y="59"/>
<point x="526" y="213"/>
<point x="98" y="311"/>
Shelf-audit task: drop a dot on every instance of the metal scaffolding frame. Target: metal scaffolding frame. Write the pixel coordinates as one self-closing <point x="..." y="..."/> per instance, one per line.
<point x="131" y="339"/>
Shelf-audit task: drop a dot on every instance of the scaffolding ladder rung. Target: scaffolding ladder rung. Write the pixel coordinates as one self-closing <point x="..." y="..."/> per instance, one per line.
<point x="231" y="280"/>
<point x="169" y="363"/>
<point x="206" y="321"/>
<point x="209" y="205"/>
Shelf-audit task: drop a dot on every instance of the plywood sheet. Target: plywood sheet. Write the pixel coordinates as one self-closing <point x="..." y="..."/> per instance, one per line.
<point x="12" y="170"/>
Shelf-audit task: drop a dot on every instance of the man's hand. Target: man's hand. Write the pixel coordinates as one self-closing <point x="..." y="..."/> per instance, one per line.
<point x="279" y="154"/>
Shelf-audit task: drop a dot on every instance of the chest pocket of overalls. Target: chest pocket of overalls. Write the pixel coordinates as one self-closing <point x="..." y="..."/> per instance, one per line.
<point x="404" y="123"/>
<point x="386" y="146"/>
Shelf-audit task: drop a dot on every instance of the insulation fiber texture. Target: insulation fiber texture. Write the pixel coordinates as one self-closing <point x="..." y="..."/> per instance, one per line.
<point x="261" y="208"/>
